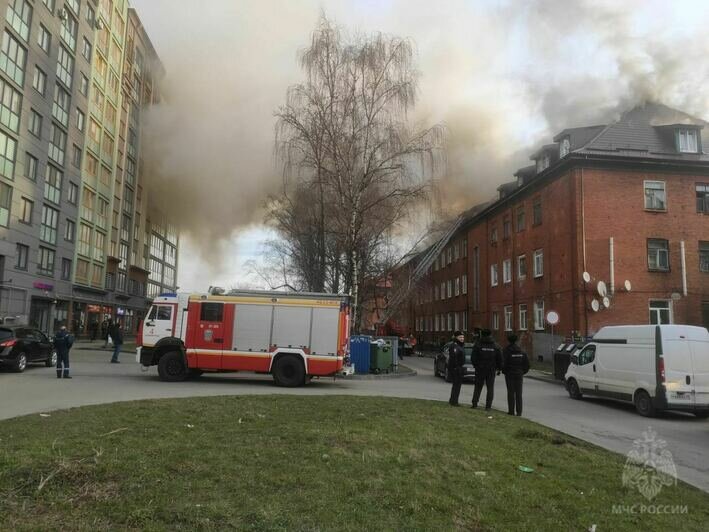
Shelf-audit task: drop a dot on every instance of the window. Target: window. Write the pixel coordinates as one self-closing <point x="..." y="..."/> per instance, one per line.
<point x="520" y="219"/>
<point x="523" y="317"/>
<point x="8" y="150"/>
<point x="464" y="284"/>
<point x="564" y="147"/>
<point x="436" y="323"/>
<point x="5" y="204"/>
<point x="22" y="254"/>
<point x="35" y="124"/>
<point x="435" y="293"/>
<point x="97" y="275"/>
<point x="65" y="66"/>
<point x="86" y="50"/>
<point x="164" y="312"/>
<point x="211" y="312"/>
<point x="70" y="231"/>
<point x="522" y="267"/>
<point x="49" y="4"/>
<point x="57" y="144"/>
<point x="538" y="263"/>
<point x="10" y="106"/>
<point x="82" y="270"/>
<point x="658" y="255"/>
<point x="80" y="119"/>
<point x="31" y="167"/>
<point x="493" y="235"/>
<point x="84" y="85"/>
<point x="44" y="39"/>
<point x="12" y="58"/>
<point x="455" y="251"/>
<point x="655" y="196"/>
<point x="52" y="184"/>
<point x="45" y="264"/>
<point x="60" y="107"/>
<point x="84" y="246"/>
<point x="507" y="271"/>
<point x="449" y="255"/>
<point x="450" y="321"/>
<point x="19" y="14"/>
<point x="704" y="257"/>
<point x="26" y="215"/>
<point x="493" y="275"/>
<point x="703" y="197"/>
<point x="443" y="290"/>
<point x="66" y="269"/>
<point x="76" y="156"/>
<point x="495" y="321"/>
<point x="457" y="286"/>
<point x="508" y="318"/>
<point x="588" y="355"/>
<point x="537" y="211"/>
<point x="68" y="31"/>
<point x="449" y="285"/>
<point x="73" y="193"/>
<point x="99" y="245"/>
<point x="687" y="140"/>
<point x="506" y="228"/>
<point x="660" y="312"/>
<point x="543" y="162"/>
<point x="465" y="320"/>
<point x="50" y="222"/>
<point x="39" y="80"/>
<point x="539" y="315"/>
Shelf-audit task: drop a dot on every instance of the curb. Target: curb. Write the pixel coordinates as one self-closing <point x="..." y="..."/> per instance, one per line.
<point x="543" y="377"/>
<point x="373" y="377"/>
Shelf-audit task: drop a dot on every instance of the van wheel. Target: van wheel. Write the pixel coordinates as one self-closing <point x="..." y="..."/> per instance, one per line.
<point x="643" y="404"/>
<point x="171" y="367"/>
<point x="573" y="388"/>
<point x="289" y="371"/>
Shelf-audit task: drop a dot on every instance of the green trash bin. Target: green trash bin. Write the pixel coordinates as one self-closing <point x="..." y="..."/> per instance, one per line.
<point x="380" y="358"/>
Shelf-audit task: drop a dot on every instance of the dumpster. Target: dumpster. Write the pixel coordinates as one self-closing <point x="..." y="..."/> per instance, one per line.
<point x="360" y="353"/>
<point x="562" y="359"/>
<point x="380" y="357"/>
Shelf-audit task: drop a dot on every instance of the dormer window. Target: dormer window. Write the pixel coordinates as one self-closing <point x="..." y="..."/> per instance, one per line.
<point x="543" y="162"/>
<point x="564" y="147"/>
<point x="687" y="140"/>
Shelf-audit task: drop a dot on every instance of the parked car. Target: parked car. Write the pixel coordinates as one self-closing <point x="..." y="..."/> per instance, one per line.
<point x="440" y="364"/>
<point x="20" y="346"/>
<point x="656" y="367"/>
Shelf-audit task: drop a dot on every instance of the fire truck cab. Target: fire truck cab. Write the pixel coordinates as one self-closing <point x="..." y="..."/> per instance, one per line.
<point x="292" y="336"/>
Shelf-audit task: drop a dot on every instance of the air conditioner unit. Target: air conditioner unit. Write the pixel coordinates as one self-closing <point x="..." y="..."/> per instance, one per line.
<point x="62" y="14"/>
<point x="100" y="24"/>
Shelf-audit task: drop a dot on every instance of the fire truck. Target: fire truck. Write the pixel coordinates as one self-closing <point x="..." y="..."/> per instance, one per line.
<point x="292" y="336"/>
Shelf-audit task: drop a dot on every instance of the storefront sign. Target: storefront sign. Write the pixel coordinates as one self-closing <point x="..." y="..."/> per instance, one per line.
<point x="93" y="308"/>
<point x="43" y="286"/>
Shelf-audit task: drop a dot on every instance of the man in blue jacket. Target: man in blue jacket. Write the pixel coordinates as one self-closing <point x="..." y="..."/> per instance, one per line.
<point x="62" y="343"/>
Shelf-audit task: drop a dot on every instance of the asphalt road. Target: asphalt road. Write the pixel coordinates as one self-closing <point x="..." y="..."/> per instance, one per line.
<point x="608" y="424"/>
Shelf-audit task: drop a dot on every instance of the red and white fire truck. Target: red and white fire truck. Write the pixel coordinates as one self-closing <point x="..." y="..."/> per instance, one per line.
<point x="292" y="336"/>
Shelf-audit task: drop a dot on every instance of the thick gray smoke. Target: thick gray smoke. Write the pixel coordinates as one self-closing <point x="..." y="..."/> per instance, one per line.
<point x="504" y="76"/>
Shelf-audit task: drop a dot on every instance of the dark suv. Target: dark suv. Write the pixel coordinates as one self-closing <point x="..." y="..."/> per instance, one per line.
<point x="20" y="346"/>
<point x="440" y="364"/>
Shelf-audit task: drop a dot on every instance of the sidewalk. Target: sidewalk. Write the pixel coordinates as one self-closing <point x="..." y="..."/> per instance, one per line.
<point x="97" y="345"/>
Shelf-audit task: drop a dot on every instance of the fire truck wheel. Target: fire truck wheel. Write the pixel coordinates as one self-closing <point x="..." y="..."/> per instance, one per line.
<point x="171" y="367"/>
<point x="289" y="371"/>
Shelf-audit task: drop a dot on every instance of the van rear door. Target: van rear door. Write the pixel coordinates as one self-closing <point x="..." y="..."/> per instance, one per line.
<point x="700" y="365"/>
<point x="678" y="373"/>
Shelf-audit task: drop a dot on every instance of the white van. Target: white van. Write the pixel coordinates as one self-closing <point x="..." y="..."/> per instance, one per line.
<point x="657" y="367"/>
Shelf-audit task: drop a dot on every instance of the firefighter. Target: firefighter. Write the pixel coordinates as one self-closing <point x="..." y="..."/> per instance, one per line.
<point x="515" y="366"/>
<point x="456" y="359"/>
<point x="487" y="359"/>
<point x="62" y="343"/>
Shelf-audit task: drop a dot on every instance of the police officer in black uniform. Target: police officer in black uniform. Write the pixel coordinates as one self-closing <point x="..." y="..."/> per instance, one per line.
<point x="456" y="359"/>
<point x="487" y="359"/>
<point x="515" y="364"/>
<point x="62" y="343"/>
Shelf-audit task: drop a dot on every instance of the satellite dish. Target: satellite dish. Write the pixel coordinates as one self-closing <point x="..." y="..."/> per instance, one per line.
<point x="586" y="277"/>
<point x="595" y="305"/>
<point x="601" y="287"/>
<point x="627" y="285"/>
<point x="607" y="302"/>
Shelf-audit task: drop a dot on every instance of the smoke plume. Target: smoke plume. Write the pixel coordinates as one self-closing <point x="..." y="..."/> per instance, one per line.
<point x="503" y="76"/>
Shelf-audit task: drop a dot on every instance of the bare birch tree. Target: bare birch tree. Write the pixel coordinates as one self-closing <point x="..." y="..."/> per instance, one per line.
<point x="352" y="162"/>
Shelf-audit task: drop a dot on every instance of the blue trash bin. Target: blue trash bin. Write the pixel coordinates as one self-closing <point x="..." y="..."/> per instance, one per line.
<point x="359" y="353"/>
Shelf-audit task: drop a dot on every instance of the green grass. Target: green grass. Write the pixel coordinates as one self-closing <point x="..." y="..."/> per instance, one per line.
<point x="311" y="463"/>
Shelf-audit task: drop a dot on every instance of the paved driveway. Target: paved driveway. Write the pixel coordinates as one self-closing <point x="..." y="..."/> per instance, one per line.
<point x="605" y="423"/>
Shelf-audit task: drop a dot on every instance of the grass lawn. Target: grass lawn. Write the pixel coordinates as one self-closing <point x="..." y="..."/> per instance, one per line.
<point x="312" y="463"/>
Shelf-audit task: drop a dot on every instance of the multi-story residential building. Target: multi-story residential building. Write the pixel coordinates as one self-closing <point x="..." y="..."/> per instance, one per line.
<point x="75" y="76"/>
<point x="609" y="226"/>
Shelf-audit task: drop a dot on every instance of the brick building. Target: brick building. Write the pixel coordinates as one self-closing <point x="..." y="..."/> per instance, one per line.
<point x="626" y="203"/>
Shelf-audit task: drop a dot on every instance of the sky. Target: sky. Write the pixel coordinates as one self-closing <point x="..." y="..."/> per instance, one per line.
<point x="503" y="76"/>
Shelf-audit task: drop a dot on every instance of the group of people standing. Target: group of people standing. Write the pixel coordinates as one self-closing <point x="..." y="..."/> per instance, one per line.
<point x="111" y="333"/>
<point x="489" y="361"/>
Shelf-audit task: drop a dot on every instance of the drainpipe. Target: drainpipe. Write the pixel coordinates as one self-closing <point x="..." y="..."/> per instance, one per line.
<point x="684" y="268"/>
<point x="612" y="266"/>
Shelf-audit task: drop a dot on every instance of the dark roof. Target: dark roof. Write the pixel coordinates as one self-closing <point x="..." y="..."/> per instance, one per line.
<point x="578" y="136"/>
<point x="506" y="188"/>
<point x="646" y="131"/>
<point x="543" y="149"/>
<point x="526" y="171"/>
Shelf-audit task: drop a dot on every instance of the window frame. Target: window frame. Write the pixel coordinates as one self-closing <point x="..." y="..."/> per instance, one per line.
<point x="538" y="272"/>
<point x="647" y="187"/>
<point x="666" y="249"/>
